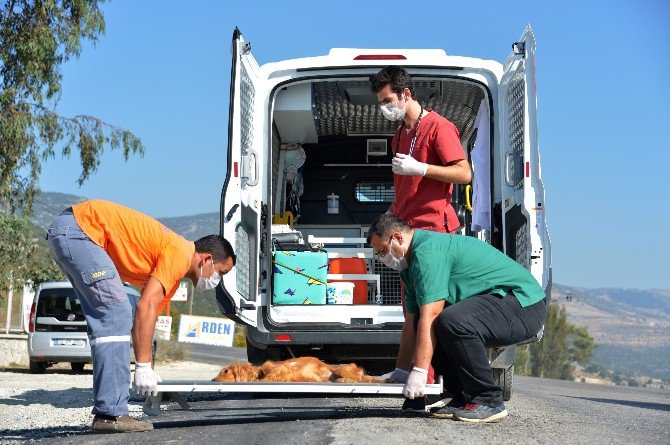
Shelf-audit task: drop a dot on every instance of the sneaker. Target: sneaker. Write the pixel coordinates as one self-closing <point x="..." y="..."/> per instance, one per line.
<point x="118" y="424"/>
<point x="479" y="413"/>
<point x="446" y="411"/>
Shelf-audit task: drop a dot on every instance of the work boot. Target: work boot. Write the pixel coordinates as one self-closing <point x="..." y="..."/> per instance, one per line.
<point x="479" y="412"/>
<point x="118" y="424"/>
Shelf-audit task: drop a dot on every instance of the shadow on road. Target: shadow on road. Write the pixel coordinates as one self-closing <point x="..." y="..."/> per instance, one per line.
<point x="62" y="398"/>
<point x="633" y="403"/>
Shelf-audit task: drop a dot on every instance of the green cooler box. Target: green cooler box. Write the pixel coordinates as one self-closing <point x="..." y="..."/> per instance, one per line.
<point x="299" y="277"/>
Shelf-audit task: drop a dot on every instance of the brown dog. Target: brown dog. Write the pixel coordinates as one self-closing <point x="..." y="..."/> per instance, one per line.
<point x="301" y="369"/>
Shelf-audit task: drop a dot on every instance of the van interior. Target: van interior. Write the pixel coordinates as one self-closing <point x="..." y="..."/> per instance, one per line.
<point x="331" y="176"/>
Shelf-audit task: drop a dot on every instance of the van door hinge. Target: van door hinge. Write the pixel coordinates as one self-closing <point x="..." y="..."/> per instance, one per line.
<point x="264" y="215"/>
<point x="519" y="48"/>
<point x="264" y="245"/>
<point x="246" y="48"/>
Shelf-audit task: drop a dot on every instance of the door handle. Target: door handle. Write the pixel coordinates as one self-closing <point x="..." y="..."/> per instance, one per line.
<point x="246" y="167"/>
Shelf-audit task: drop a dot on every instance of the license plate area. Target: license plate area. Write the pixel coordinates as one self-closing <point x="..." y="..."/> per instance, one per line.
<point x="69" y="342"/>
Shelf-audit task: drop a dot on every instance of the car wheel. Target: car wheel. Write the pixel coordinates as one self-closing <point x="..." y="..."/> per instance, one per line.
<point x="504" y="379"/>
<point x="77" y="366"/>
<point x="37" y="367"/>
<point x="258" y="356"/>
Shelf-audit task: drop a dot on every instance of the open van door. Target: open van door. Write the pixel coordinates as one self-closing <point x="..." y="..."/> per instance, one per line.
<point x="241" y="199"/>
<point x="526" y="238"/>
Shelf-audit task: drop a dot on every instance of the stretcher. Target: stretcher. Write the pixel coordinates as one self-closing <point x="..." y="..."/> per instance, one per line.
<point x="175" y="387"/>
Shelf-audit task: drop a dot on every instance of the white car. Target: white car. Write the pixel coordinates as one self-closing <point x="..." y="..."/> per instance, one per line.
<point x="307" y="136"/>
<point x="57" y="328"/>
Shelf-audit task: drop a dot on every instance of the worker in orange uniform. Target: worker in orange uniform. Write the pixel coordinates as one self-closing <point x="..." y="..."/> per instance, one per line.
<point x="98" y="245"/>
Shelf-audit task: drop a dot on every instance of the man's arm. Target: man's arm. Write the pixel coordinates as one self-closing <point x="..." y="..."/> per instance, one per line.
<point x="407" y="342"/>
<point x="146" y="314"/>
<point x="457" y="172"/>
<point x="425" y="334"/>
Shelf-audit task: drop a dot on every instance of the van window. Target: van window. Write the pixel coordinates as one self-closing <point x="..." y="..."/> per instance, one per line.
<point x="376" y="190"/>
<point x="59" y="303"/>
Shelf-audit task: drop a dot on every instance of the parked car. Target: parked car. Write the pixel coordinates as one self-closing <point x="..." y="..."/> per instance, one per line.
<point x="57" y="328"/>
<point x="308" y="165"/>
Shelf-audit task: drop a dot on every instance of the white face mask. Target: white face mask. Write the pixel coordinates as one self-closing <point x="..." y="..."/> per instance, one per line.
<point x="392" y="112"/>
<point x="208" y="283"/>
<point x="394" y="263"/>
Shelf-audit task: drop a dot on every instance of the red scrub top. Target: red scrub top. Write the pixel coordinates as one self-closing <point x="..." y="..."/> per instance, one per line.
<point x="422" y="202"/>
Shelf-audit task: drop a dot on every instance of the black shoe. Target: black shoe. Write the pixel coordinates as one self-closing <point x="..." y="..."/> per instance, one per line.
<point x="417" y="405"/>
<point x="446" y="411"/>
<point x="479" y="413"/>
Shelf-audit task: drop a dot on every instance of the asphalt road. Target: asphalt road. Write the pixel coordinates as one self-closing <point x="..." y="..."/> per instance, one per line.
<point x="541" y="411"/>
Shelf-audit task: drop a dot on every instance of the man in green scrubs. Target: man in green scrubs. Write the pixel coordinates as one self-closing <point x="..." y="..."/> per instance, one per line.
<point x="463" y="295"/>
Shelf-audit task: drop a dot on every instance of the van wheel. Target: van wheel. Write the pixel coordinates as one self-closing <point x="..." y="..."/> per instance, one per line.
<point x="504" y="378"/>
<point x="377" y="367"/>
<point x="77" y="366"/>
<point x="258" y="356"/>
<point x="37" y="367"/>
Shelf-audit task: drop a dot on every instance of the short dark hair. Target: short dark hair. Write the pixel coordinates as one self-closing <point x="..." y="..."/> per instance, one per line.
<point x="384" y="224"/>
<point x="218" y="246"/>
<point x="394" y="75"/>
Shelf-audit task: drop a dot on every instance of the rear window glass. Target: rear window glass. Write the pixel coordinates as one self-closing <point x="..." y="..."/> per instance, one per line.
<point x="60" y="304"/>
<point x="373" y="191"/>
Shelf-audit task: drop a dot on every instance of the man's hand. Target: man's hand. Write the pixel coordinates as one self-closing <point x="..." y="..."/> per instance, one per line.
<point x="398" y="376"/>
<point x="146" y="380"/>
<point x="406" y="165"/>
<point x="416" y="383"/>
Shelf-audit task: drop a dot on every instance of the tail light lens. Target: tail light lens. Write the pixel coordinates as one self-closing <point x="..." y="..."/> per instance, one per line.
<point x="31" y="323"/>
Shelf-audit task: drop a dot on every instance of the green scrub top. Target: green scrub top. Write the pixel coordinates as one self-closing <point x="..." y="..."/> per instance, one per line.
<point x="455" y="267"/>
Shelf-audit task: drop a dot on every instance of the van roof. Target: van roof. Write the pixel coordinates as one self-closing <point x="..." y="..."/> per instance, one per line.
<point x="345" y="57"/>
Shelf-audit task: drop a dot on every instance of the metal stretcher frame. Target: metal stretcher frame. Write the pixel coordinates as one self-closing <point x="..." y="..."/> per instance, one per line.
<point x="174" y="387"/>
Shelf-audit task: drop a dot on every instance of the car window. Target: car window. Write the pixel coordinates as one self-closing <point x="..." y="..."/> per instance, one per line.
<point x="60" y="303"/>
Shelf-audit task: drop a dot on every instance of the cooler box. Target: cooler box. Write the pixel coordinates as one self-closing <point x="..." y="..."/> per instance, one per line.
<point x="299" y="277"/>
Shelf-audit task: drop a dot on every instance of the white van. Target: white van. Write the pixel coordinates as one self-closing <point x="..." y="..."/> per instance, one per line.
<point x="308" y="133"/>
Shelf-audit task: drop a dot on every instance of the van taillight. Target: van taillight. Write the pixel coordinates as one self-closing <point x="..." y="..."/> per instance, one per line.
<point x="282" y="337"/>
<point x="380" y="57"/>
<point x="31" y="323"/>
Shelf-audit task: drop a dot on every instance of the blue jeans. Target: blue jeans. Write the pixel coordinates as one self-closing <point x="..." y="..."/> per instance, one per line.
<point x="107" y="309"/>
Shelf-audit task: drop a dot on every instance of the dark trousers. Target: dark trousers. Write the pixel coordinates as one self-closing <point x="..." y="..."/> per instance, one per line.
<point x="466" y="328"/>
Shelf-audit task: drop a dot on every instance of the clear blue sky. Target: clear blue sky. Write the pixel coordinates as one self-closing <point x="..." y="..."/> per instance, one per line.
<point x="162" y="70"/>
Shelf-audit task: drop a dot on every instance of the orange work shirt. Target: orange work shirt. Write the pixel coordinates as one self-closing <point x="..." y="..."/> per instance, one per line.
<point x="139" y="246"/>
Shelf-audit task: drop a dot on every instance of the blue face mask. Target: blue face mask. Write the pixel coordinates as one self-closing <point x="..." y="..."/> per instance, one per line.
<point x="394" y="263"/>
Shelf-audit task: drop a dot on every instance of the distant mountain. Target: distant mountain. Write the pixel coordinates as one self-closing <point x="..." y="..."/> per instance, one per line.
<point x="49" y="204"/>
<point x="630" y="326"/>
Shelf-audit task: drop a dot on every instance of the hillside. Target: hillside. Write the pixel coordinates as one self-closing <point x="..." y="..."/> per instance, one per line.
<point x="49" y="204"/>
<point x="630" y="326"/>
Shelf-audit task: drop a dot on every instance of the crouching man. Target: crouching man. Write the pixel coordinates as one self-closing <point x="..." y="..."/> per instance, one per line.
<point x="97" y="244"/>
<point x="461" y="295"/>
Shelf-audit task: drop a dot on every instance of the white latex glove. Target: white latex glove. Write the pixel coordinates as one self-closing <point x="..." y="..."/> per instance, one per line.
<point x="407" y="165"/>
<point x="398" y="376"/>
<point x="146" y="380"/>
<point x="416" y="383"/>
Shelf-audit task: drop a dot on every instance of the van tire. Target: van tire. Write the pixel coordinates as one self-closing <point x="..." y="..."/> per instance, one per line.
<point x="37" y="367"/>
<point x="504" y="379"/>
<point x="258" y="356"/>
<point x="77" y="367"/>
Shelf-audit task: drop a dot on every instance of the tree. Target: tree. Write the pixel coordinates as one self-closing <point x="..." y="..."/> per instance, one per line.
<point x="581" y="344"/>
<point x="36" y="38"/>
<point x="550" y="357"/>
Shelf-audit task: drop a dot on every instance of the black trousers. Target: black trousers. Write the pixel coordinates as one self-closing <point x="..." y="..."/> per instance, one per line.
<point x="466" y="328"/>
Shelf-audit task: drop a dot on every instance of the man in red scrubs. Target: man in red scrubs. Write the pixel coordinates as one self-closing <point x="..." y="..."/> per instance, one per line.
<point x="427" y="160"/>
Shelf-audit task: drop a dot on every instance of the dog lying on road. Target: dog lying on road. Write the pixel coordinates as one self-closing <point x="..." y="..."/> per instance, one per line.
<point x="301" y="369"/>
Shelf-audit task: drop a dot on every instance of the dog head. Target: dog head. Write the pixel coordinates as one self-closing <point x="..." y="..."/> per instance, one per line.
<point x="238" y="372"/>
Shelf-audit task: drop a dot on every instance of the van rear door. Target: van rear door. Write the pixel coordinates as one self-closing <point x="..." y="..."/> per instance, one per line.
<point x="241" y="198"/>
<point x="526" y="238"/>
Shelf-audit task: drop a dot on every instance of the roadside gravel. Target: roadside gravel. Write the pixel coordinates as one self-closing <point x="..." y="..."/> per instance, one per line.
<point x="34" y="406"/>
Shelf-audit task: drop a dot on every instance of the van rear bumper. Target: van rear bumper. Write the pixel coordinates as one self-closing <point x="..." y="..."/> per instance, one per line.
<point x="261" y="336"/>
